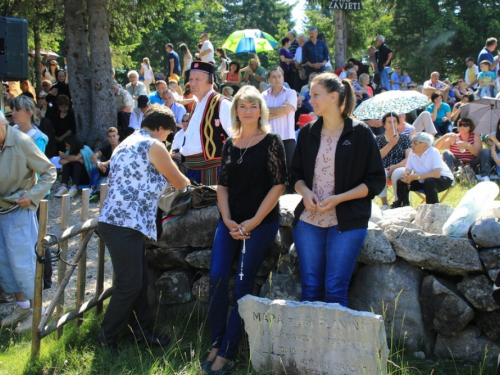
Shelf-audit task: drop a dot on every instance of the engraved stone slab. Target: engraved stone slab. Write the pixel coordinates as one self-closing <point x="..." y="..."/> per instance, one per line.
<point x="315" y="338"/>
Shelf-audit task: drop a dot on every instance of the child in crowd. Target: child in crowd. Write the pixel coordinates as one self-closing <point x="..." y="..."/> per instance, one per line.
<point x="405" y="81"/>
<point x="486" y="80"/>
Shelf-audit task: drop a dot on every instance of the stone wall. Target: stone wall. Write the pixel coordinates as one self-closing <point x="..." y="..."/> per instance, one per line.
<point x="434" y="291"/>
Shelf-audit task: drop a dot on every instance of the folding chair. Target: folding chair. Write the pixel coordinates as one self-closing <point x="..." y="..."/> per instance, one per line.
<point x="420" y="194"/>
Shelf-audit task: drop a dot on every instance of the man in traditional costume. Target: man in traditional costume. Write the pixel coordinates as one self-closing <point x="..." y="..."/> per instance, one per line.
<point x="209" y="126"/>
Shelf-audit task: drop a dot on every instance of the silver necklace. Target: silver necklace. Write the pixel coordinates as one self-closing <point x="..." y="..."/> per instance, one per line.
<point x="240" y="160"/>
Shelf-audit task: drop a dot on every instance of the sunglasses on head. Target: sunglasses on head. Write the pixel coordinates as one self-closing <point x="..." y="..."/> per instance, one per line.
<point x="464" y="124"/>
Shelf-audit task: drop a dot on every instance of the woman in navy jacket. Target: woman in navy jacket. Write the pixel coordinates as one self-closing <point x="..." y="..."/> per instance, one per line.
<point x="337" y="168"/>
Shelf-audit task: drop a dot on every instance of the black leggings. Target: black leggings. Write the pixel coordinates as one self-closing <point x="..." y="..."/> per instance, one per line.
<point x="77" y="172"/>
<point x="430" y="186"/>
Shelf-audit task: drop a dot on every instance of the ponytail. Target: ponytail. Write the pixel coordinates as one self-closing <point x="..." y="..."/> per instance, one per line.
<point x="348" y="100"/>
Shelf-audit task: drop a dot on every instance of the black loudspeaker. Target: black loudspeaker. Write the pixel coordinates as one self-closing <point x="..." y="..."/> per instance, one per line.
<point x="13" y="49"/>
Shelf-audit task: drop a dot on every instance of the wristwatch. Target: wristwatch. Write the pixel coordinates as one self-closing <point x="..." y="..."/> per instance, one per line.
<point x="419" y="177"/>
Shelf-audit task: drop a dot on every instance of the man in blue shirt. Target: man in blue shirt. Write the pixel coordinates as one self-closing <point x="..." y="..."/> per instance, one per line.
<point x="314" y="53"/>
<point x="487" y="54"/>
<point x="156" y="97"/>
<point x="173" y="63"/>
<point x="177" y="109"/>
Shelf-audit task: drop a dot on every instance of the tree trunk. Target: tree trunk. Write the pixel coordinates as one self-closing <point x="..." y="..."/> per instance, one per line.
<point x="38" y="57"/>
<point x="340" y="38"/>
<point x="103" y="98"/>
<point x="78" y="66"/>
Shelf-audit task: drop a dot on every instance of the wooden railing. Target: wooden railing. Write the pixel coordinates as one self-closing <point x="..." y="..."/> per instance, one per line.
<point x="86" y="228"/>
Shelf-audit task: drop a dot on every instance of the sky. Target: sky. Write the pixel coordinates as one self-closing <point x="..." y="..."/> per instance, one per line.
<point x="298" y="13"/>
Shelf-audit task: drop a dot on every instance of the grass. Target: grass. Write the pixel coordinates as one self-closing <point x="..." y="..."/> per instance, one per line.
<point x="79" y="353"/>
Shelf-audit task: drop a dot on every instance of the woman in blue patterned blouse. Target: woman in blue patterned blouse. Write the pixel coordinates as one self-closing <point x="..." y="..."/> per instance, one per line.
<point x="141" y="168"/>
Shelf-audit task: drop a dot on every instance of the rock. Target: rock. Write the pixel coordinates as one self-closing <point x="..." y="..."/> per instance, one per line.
<point x="376" y="213"/>
<point x="174" y="287"/>
<point x="407" y="213"/>
<point x="279" y="286"/>
<point x="287" y="337"/>
<point x="287" y="265"/>
<point x="419" y="355"/>
<point x="194" y="229"/>
<point x="443" y="308"/>
<point x="491" y="260"/>
<point x="200" y="259"/>
<point x="477" y="290"/>
<point x="452" y="256"/>
<point x="380" y="287"/>
<point x="488" y="324"/>
<point x="288" y="203"/>
<point x="168" y="259"/>
<point x="268" y="265"/>
<point x="431" y="217"/>
<point x="468" y="346"/>
<point x="376" y="248"/>
<point x="402" y="223"/>
<point x="492" y="211"/>
<point x="293" y="251"/>
<point x="282" y="242"/>
<point x="486" y="233"/>
<point x="201" y="289"/>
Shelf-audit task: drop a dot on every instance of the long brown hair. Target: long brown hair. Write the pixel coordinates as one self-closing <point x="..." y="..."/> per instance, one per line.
<point x="332" y="83"/>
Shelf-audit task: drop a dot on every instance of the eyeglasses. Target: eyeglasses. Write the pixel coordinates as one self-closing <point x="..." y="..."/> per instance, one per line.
<point x="464" y="124"/>
<point x="185" y="120"/>
<point x="416" y="143"/>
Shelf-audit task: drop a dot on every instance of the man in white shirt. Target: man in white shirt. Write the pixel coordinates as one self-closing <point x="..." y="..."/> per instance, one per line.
<point x="282" y="104"/>
<point x="206" y="53"/>
<point x="137" y="114"/>
<point x="209" y="126"/>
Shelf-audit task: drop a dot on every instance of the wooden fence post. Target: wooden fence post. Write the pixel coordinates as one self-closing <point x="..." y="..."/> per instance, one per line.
<point x="82" y="263"/>
<point x="65" y="214"/>
<point x="101" y="254"/>
<point x="37" y="300"/>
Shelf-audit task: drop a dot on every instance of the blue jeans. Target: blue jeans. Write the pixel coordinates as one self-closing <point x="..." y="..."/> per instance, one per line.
<point x="327" y="258"/>
<point x="384" y="78"/>
<point x="224" y="252"/>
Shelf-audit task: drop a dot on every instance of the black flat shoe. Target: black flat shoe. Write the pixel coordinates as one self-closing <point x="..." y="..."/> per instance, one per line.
<point x="205" y="366"/>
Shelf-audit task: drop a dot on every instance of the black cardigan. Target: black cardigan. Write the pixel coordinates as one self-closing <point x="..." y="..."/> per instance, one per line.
<point x="357" y="161"/>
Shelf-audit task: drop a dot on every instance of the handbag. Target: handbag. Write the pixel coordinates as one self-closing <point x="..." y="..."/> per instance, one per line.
<point x="176" y="202"/>
<point x="204" y="196"/>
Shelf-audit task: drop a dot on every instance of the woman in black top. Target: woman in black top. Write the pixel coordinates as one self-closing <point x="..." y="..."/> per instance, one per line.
<point x="337" y="168"/>
<point x="64" y="121"/>
<point x="253" y="177"/>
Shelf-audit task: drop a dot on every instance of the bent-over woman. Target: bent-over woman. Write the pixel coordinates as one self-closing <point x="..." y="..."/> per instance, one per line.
<point x="337" y="168"/>
<point x="141" y="168"/>
<point x="20" y="193"/>
<point x="253" y="177"/>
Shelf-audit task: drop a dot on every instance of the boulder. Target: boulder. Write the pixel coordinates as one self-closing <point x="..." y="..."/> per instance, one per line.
<point x="200" y="259"/>
<point x="376" y="213"/>
<point x="407" y="213"/>
<point x="486" y="233"/>
<point x="201" y="289"/>
<point x="194" y="229"/>
<point x="282" y="242"/>
<point x="491" y="260"/>
<point x="293" y="251"/>
<point x="379" y="288"/>
<point x="402" y="223"/>
<point x="477" y="290"/>
<point x="287" y="264"/>
<point x="268" y="265"/>
<point x="443" y="308"/>
<point x="376" y="248"/>
<point x="488" y="324"/>
<point x="288" y="203"/>
<point x="467" y="345"/>
<point x="280" y="286"/>
<point x="174" y="287"/>
<point x="431" y="217"/>
<point x="452" y="256"/>
<point x="168" y="259"/>
<point x="492" y="211"/>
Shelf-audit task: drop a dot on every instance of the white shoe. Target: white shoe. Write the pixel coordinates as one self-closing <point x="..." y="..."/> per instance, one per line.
<point x="26" y="324"/>
<point x="485" y="178"/>
<point x="62" y="190"/>
<point x="73" y="192"/>
<point x="15" y="316"/>
<point x="385" y="207"/>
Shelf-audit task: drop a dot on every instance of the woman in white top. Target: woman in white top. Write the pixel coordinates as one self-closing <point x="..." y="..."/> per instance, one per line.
<point x="141" y="169"/>
<point x="51" y="72"/>
<point x="148" y="74"/>
<point x="187" y="61"/>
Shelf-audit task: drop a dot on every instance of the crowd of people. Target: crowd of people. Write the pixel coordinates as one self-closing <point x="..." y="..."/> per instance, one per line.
<point x="256" y="134"/>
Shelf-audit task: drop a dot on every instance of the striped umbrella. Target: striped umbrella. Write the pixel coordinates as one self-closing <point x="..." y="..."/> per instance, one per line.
<point x="250" y="40"/>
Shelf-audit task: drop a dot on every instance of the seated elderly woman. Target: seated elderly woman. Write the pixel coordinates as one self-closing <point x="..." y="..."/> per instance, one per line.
<point x="394" y="149"/>
<point x="425" y="170"/>
<point x="440" y="113"/>
<point x="466" y="147"/>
